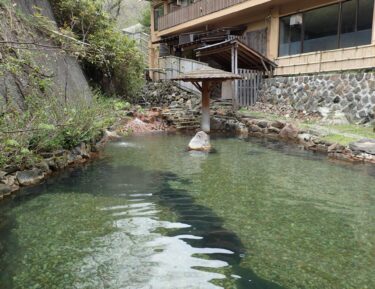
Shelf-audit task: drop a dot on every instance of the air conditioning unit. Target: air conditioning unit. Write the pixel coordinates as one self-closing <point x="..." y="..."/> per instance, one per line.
<point x="185" y="38"/>
<point x="182" y="2"/>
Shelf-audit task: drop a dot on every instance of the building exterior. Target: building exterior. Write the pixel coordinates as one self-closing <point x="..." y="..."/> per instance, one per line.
<point x="300" y="36"/>
<point x="316" y="53"/>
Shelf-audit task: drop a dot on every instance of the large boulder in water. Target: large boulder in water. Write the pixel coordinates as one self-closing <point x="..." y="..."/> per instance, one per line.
<point x="200" y="142"/>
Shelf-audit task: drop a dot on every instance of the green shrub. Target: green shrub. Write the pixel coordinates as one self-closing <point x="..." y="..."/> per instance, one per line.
<point x="110" y="58"/>
<point x="58" y="125"/>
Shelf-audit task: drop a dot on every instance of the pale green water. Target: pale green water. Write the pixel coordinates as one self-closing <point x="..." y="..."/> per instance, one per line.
<point x="151" y="215"/>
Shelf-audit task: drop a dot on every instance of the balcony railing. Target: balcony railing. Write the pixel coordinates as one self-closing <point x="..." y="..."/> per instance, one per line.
<point x="194" y="11"/>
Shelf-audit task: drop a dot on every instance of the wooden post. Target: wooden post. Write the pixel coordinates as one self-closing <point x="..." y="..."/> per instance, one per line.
<point x="205" y="125"/>
<point x="232" y="70"/>
<point x="236" y="81"/>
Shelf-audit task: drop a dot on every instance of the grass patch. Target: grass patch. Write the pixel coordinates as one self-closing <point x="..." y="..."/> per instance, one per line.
<point x="340" y="139"/>
<point x="260" y="115"/>
<point x="365" y="132"/>
<point x="342" y="134"/>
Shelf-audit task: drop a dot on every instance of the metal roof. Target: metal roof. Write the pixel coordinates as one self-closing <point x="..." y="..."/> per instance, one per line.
<point x="207" y="73"/>
<point x="247" y="57"/>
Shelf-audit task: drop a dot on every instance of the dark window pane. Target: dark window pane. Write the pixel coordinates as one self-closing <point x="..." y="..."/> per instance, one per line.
<point x="158" y="12"/>
<point x="290" y="35"/>
<point x="365" y="17"/>
<point x="295" y="38"/>
<point x="284" y="36"/>
<point x="321" y="27"/>
<point x="348" y="36"/>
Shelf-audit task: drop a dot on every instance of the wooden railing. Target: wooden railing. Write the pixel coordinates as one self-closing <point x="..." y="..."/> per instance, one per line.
<point x="193" y="11"/>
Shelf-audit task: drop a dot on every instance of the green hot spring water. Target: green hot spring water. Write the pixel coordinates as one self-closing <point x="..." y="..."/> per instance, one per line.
<point x="149" y="215"/>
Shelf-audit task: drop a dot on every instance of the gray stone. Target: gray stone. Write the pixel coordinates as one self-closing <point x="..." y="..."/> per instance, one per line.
<point x="200" y="142"/>
<point x="324" y="111"/>
<point x="30" y="177"/>
<point x="364" y="145"/>
<point x="336" y="118"/>
<point x="2" y="174"/>
<point x="305" y="137"/>
<point x="337" y="99"/>
<point x="278" y="124"/>
<point x="9" y="180"/>
<point x="357" y="90"/>
<point x="273" y="130"/>
<point x="362" y="114"/>
<point x="9" y="169"/>
<point x="365" y="100"/>
<point x="189" y="104"/>
<point x="262" y="124"/>
<point x="254" y="128"/>
<point x="43" y="166"/>
<point x="359" y="76"/>
<point x="4" y="189"/>
<point x="82" y="150"/>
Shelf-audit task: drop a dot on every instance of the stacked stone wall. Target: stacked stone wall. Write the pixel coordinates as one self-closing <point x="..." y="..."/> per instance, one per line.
<point x="352" y="93"/>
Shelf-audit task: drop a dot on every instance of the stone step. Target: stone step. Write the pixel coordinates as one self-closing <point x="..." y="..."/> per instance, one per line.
<point x="187" y="127"/>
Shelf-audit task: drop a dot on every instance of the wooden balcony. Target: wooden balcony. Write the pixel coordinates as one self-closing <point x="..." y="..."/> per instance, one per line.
<point x="194" y="11"/>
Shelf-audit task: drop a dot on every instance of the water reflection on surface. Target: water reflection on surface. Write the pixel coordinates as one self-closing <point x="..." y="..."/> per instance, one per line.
<point x="255" y="214"/>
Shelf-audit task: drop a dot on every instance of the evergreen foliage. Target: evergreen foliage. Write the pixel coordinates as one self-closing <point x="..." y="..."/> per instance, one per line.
<point x="109" y="58"/>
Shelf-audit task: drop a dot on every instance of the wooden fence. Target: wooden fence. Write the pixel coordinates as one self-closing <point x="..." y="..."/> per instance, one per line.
<point x="248" y="87"/>
<point x="193" y="11"/>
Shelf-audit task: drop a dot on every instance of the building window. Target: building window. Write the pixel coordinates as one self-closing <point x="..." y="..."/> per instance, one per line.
<point x="158" y="12"/>
<point x="290" y="35"/>
<point x="346" y="24"/>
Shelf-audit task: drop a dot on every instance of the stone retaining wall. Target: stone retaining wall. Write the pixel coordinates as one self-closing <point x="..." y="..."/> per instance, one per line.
<point x="352" y="93"/>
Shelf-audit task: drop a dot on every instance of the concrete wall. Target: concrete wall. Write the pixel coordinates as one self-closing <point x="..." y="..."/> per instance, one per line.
<point x="63" y="72"/>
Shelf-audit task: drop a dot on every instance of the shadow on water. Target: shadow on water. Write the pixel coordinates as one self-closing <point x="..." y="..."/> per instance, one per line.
<point x="102" y="179"/>
<point x="207" y="225"/>
<point x="293" y="150"/>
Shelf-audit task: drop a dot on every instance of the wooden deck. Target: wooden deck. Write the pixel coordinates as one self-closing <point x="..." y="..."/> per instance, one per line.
<point x="193" y="11"/>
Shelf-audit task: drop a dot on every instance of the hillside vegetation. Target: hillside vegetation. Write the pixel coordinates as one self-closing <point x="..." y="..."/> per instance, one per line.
<point x="45" y="101"/>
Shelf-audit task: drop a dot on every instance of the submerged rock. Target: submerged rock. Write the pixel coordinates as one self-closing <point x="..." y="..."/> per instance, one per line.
<point x="200" y="142"/>
<point x="4" y="189"/>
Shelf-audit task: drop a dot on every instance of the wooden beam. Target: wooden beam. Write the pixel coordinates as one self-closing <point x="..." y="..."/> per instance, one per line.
<point x="197" y="85"/>
<point x="213" y="51"/>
